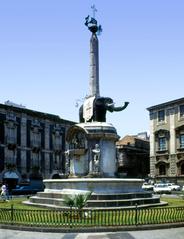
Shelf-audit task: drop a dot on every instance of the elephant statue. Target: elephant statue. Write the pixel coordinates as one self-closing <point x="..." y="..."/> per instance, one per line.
<point x="100" y="106"/>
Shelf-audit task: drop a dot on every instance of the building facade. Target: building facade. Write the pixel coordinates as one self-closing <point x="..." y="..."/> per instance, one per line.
<point x="133" y="156"/>
<point x="167" y="141"/>
<point x="32" y="144"/>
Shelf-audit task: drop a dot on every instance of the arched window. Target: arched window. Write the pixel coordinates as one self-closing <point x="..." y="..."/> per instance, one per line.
<point x="162" y="169"/>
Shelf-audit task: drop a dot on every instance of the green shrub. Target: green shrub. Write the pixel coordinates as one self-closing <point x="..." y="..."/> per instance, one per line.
<point x="78" y="200"/>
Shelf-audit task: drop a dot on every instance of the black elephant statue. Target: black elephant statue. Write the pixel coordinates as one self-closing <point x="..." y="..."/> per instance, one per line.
<point x="100" y="106"/>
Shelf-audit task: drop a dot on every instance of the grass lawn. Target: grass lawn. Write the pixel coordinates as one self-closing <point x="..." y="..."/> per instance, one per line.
<point x="173" y="202"/>
<point x="17" y="204"/>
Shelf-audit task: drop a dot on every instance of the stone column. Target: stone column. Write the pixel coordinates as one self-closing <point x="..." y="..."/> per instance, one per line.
<point x="172" y="149"/>
<point x="172" y="135"/>
<point x="47" y="150"/>
<point x="152" y="139"/>
<point x="152" y="150"/>
<point x="23" y="132"/>
<point x="172" y="168"/>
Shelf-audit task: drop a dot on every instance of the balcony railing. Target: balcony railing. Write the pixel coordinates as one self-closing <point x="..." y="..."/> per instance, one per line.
<point x="11" y="141"/>
<point x="57" y="146"/>
<point x="35" y="145"/>
<point x="162" y="150"/>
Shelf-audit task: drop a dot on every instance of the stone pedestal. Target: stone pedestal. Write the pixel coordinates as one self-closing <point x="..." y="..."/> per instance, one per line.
<point x="82" y="139"/>
<point x="106" y="193"/>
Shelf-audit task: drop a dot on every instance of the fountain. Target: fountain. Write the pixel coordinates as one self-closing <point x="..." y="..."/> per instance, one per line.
<point x="91" y="162"/>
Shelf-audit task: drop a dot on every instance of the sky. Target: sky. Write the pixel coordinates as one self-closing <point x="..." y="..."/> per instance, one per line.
<point x="44" y="56"/>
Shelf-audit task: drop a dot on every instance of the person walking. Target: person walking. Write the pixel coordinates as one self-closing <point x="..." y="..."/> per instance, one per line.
<point x="4" y="192"/>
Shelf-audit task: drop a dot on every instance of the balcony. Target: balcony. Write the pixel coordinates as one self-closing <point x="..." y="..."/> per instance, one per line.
<point x="57" y="147"/>
<point x="35" y="145"/>
<point x="11" y="141"/>
<point x="181" y="148"/>
<point x="162" y="150"/>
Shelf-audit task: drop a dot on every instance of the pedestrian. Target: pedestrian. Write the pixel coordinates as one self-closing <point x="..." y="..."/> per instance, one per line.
<point x="4" y="192"/>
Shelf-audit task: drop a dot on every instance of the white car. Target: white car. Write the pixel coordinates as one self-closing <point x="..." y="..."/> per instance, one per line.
<point x="161" y="188"/>
<point x="147" y="186"/>
<point x="173" y="186"/>
<point x="183" y="189"/>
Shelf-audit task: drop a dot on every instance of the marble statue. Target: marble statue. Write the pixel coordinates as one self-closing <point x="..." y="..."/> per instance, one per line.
<point x="96" y="159"/>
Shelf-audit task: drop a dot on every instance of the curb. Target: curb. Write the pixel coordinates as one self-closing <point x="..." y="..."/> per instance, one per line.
<point x="93" y="229"/>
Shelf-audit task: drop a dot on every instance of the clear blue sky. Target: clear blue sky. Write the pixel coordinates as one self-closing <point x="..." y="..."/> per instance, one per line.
<point x="44" y="56"/>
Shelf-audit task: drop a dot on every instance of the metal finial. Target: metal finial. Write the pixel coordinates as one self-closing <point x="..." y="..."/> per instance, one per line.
<point x="94" y="10"/>
<point x="91" y="22"/>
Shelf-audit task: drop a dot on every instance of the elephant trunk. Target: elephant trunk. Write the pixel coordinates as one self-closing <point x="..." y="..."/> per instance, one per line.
<point x="111" y="107"/>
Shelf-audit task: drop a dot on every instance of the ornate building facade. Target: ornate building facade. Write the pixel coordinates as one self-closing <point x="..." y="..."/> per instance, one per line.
<point x="133" y="156"/>
<point x="167" y="140"/>
<point x="32" y="144"/>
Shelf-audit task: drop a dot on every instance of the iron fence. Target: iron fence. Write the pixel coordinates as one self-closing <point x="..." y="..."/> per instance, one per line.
<point x="91" y="218"/>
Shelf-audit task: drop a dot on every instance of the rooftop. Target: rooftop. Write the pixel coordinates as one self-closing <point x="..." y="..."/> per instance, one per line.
<point x="18" y="109"/>
<point x="169" y="103"/>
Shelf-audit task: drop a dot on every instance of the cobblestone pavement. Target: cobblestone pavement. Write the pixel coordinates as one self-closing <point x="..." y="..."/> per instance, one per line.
<point x="173" y="233"/>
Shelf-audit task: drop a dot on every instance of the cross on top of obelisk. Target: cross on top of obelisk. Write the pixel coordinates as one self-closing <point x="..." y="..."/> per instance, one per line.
<point x="94" y="10"/>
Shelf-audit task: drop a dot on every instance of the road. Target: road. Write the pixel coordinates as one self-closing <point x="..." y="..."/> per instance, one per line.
<point x="176" y="233"/>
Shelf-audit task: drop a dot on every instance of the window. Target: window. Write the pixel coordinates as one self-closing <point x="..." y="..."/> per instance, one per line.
<point x="162" y="170"/>
<point x="11" y="135"/>
<point x="161" y="115"/>
<point x="35" y="160"/>
<point x="181" y="140"/>
<point x="57" y="142"/>
<point x="162" y="144"/>
<point x="56" y="161"/>
<point x="36" y="142"/>
<point x="181" y="110"/>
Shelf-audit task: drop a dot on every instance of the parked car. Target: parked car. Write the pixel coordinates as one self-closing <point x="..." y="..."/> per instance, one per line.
<point x="147" y="186"/>
<point x="161" y="188"/>
<point x="174" y="187"/>
<point x="182" y="189"/>
<point x="26" y="189"/>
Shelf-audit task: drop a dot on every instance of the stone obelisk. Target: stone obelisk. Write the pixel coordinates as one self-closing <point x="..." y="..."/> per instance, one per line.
<point x="94" y="89"/>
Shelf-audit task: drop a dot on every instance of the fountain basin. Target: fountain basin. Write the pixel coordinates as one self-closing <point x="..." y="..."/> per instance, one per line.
<point x="95" y="185"/>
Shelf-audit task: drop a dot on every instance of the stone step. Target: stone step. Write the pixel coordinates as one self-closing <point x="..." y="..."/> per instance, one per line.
<point x="124" y="202"/>
<point x="96" y="203"/>
<point x="100" y="196"/>
<point x="49" y="201"/>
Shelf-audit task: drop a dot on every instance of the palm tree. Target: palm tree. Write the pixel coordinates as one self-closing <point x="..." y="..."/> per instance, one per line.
<point x="78" y="201"/>
<point x="81" y="200"/>
<point x="69" y="201"/>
